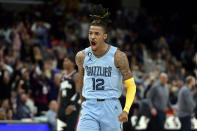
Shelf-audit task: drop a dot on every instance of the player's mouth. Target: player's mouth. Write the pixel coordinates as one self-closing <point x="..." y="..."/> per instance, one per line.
<point x="93" y="44"/>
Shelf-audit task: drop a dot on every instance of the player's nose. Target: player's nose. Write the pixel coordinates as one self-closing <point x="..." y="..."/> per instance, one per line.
<point x="93" y="39"/>
<point x="93" y="36"/>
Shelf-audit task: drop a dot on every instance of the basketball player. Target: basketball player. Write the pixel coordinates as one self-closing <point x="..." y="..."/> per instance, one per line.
<point x="102" y="68"/>
<point x="68" y="97"/>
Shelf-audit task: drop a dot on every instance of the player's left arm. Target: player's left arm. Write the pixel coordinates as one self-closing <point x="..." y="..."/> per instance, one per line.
<point x="121" y="62"/>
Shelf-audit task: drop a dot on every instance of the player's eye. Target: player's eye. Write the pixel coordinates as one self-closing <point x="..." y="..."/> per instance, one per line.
<point x="96" y="33"/>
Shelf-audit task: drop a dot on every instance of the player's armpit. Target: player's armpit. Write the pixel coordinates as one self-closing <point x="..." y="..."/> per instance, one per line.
<point x="79" y="61"/>
<point x="121" y="62"/>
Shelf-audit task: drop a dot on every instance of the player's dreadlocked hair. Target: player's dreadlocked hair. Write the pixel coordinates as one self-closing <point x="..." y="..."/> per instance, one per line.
<point x="99" y="16"/>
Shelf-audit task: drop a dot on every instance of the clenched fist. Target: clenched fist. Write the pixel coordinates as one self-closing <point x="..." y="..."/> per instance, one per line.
<point x="123" y="117"/>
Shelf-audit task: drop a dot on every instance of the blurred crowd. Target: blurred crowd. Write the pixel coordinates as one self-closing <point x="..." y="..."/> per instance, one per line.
<point x="34" y="42"/>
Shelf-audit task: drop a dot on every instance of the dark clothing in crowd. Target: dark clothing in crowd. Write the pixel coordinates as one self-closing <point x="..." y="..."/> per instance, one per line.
<point x="5" y="88"/>
<point x="159" y="99"/>
<point x="186" y="105"/>
<point x="22" y="111"/>
<point x="185" y="123"/>
<point x="68" y="96"/>
<point x="157" y="122"/>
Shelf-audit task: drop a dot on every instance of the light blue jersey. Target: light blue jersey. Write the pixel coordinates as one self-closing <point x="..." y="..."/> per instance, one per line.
<point x="102" y="88"/>
<point x="101" y="77"/>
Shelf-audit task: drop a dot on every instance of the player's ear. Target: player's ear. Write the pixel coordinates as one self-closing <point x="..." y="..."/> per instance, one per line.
<point x="105" y="36"/>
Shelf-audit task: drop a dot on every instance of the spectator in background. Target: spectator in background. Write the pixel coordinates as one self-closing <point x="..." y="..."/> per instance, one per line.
<point x="31" y="105"/>
<point x="84" y="29"/>
<point x="68" y="97"/>
<point x="17" y="37"/>
<point x="51" y="115"/>
<point x="2" y="115"/>
<point x="147" y="60"/>
<point x="147" y="89"/>
<point x="23" y="84"/>
<point x="5" y="105"/>
<point x="186" y="104"/>
<point x="22" y="111"/>
<point x="39" y="28"/>
<point x="6" y="110"/>
<point x="160" y="63"/>
<point x="5" y="86"/>
<point x="54" y="85"/>
<point x="195" y="98"/>
<point x="159" y="100"/>
<point x="9" y="114"/>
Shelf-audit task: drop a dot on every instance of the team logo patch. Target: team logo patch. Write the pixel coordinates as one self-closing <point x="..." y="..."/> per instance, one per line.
<point x="89" y="53"/>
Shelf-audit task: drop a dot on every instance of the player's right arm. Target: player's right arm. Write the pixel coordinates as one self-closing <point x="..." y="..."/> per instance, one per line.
<point x="79" y="58"/>
<point x="59" y="97"/>
<point x="58" y="102"/>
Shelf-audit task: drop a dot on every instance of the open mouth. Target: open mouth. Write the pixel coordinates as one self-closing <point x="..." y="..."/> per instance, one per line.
<point x="93" y="43"/>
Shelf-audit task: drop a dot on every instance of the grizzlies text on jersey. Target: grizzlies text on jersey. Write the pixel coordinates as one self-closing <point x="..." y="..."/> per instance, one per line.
<point x="102" y="79"/>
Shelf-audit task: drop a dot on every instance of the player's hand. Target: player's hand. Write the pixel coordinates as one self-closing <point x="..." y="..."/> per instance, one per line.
<point x="70" y="109"/>
<point x="123" y="117"/>
<point x="154" y="112"/>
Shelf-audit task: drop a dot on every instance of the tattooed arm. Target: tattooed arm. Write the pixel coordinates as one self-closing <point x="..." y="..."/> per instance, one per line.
<point x="122" y="63"/>
<point x="79" y="58"/>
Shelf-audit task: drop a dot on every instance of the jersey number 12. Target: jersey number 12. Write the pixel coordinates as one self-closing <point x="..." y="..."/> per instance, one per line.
<point x="98" y="84"/>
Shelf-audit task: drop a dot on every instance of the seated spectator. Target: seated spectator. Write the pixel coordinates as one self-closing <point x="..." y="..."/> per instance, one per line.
<point x="51" y="115"/>
<point x="22" y="111"/>
<point x="5" y="105"/>
<point x="9" y="114"/>
<point x="4" y="83"/>
<point x="2" y="115"/>
<point x="31" y="105"/>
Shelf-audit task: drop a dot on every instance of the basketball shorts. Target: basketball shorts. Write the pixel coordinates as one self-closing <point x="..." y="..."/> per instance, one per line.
<point x="100" y="115"/>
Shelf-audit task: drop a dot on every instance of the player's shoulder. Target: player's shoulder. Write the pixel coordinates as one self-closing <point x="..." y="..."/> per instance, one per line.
<point x="119" y="53"/>
<point x="119" y="56"/>
<point x="80" y="53"/>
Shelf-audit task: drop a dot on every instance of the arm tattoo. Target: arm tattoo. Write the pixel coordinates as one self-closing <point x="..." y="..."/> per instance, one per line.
<point x="121" y="61"/>
<point x="79" y="61"/>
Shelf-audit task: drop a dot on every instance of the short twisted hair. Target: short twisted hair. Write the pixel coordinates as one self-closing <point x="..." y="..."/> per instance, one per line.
<point x="99" y="16"/>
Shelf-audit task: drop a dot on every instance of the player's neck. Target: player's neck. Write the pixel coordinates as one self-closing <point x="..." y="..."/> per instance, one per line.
<point x="102" y="50"/>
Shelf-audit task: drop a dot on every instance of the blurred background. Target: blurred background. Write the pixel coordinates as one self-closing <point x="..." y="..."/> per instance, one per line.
<point x="36" y="36"/>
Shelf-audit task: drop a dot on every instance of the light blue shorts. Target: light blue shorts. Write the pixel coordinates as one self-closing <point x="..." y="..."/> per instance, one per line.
<point x="100" y="115"/>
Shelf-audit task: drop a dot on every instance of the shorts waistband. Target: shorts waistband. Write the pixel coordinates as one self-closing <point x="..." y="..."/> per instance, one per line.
<point x="102" y="100"/>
